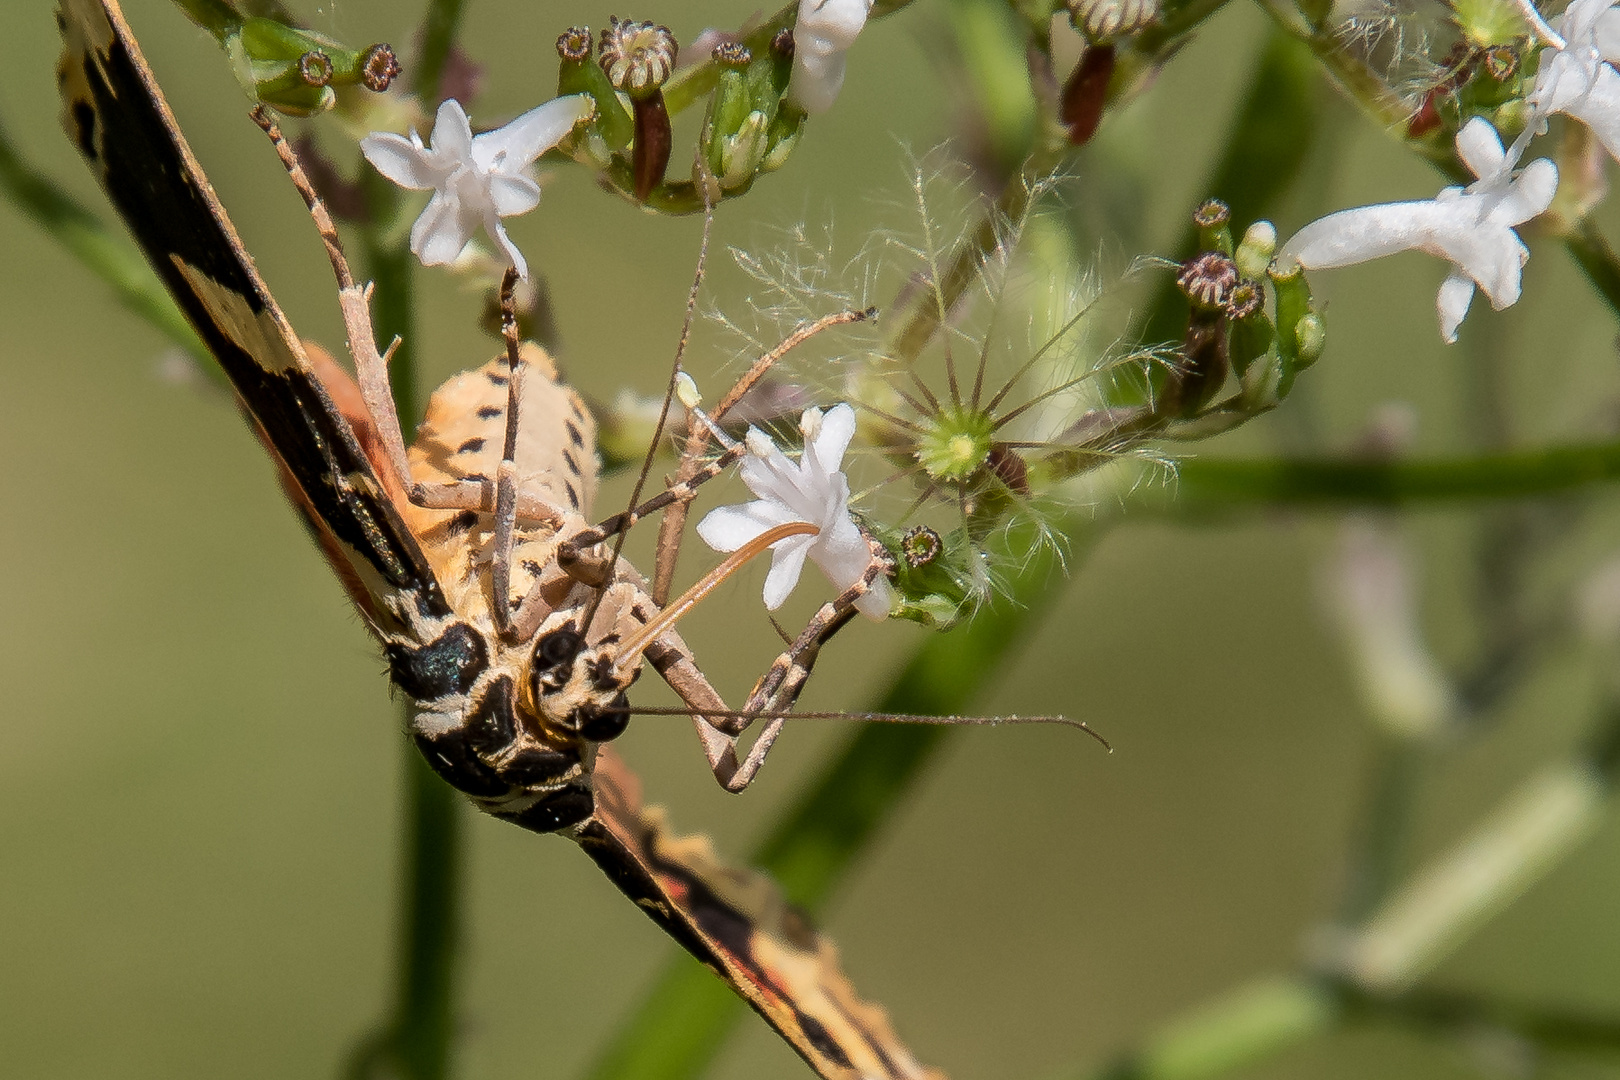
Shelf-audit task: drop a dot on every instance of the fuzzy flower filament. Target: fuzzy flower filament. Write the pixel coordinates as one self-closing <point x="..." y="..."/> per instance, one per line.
<point x="475" y="179"/>
<point x="1472" y="227"/>
<point x="812" y="489"/>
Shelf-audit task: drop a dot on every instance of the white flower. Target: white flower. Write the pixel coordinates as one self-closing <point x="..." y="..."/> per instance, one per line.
<point x="475" y="179"/>
<point x="1575" y="78"/>
<point x="1472" y="227"/>
<point x="823" y="33"/>
<point x="811" y="489"/>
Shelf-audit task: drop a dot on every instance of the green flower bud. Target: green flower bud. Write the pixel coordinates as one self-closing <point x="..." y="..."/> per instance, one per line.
<point x="1310" y="335"/>
<point x="576" y="74"/>
<point x="295" y="71"/>
<point x="1213" y="219"/>
<point x="1254" y="254"/>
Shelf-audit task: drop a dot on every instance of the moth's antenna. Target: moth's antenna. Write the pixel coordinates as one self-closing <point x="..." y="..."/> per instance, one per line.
<point x="630" y="649"/>
<point x="879" y="717"/>
<point x="669" y="396"/>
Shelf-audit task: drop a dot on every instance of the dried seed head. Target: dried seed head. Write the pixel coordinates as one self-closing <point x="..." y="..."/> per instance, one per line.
<point x="921" y="546"/>
<point x="732" y="54"/>
<point x="1210" y="213"/>
<point x="1208" y="279"/>
<point x="315" y="68"/>
<point x="379" y="67"/>
<point x="637" y="56"/>
<point x="1245" y="298"/>
<point x="574" y="44"/>
<point x="1102" y="20"/>
<point x="782" y="43"/>
<point x="1501" y="62"/>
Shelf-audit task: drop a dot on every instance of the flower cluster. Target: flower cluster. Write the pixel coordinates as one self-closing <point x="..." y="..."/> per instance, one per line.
<point x="1474" y="227"/>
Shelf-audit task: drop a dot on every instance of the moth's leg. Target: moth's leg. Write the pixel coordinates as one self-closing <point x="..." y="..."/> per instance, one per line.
<point x="371" y="367"/>
<point x="506" y="486"/>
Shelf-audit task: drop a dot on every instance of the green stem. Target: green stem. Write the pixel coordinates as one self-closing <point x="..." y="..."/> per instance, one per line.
<point x="439" y="32"/>
<point x="1551" y="470"/>
<point x="682" y="1023"/>
<point x="104" y="254"/>
<point x="419" y="1037"/>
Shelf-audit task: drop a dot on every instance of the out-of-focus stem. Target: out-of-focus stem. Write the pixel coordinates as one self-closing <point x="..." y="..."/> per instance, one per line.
<point x="682" y="1023"/>
<point x="104" y="254"/>
<point x="418" y="1039"/>
<point x="1549" y="470"/>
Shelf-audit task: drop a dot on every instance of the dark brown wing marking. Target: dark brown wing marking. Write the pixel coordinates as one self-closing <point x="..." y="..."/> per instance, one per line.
<point x="118" y="118"/>
<point x="736" y="923"/>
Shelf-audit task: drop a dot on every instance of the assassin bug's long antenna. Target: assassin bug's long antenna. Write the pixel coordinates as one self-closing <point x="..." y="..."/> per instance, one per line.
<point x="875" y="717"/>
<point x="669" y="390"/>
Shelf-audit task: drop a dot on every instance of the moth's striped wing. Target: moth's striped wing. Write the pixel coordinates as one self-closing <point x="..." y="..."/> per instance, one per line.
<point x="117" y="117"/>
<point x="737" y="923"/>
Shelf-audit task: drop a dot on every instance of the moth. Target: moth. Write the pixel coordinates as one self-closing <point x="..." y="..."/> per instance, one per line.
<point x="470" y="557"/>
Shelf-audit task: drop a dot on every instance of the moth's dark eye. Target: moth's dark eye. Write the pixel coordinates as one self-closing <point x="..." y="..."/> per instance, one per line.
<point x="606" y="724"/>
<point x="556" y="649"/>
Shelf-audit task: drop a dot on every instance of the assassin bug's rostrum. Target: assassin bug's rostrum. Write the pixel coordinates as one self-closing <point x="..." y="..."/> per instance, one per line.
<point x="520" y="662"/>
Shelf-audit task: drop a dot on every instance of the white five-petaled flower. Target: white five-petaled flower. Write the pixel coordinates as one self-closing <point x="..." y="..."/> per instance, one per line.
<point x="824" y="31"/>
<point x="475" y="179"/>
<point x="1472" y="227"/>
<point x="1577" y="78"/>
<point x="812" y="489"/>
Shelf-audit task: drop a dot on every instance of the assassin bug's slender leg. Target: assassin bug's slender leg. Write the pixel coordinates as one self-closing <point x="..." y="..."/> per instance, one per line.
<point x="371" y="367"/>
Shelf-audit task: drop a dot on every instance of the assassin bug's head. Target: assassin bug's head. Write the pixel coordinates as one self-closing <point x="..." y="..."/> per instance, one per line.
<point x="577" y="687"/>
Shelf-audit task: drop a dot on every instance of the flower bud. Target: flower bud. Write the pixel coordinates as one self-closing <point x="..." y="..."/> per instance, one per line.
<point x="1310" y="335"/>
<point x="295" y="71"/>
<point x="1254" y="253"/>
<point x="576" y="74"/>
<point x="1104" y="20"/>
<point x="1207" y="279"/>
<point x="1213" y="220"/>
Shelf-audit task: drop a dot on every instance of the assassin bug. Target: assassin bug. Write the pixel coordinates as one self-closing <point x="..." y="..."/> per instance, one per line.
<point x="516" y="698"/>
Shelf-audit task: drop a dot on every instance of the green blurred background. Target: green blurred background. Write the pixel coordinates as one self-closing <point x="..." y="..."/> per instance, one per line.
<point x="200" y="760"/>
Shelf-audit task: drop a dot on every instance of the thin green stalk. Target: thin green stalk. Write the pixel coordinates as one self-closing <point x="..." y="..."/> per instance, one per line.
<point x="419" y="1038"/>
<point x="1210" y="483"/>
<point x="107" y="256"/>
<point x="1267" y="143"/>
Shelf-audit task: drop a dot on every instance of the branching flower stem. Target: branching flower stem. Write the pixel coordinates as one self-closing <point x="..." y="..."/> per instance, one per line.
<point x="1385" y="108"/>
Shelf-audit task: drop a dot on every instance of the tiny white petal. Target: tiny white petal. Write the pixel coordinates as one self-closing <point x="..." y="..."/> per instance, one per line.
<point x="837" y="428"/>
<point x="513" y="195"/>
<point x="1456" y="293"/>
<point x="437" y="237"/>
<point x="452" y="131"/>
<point x="401" y="160"/>
<point x="516" y="145"/>
<point x="727" y="528"/>
<point x="1480" y="147"/>
<point x="787" y="563"/>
